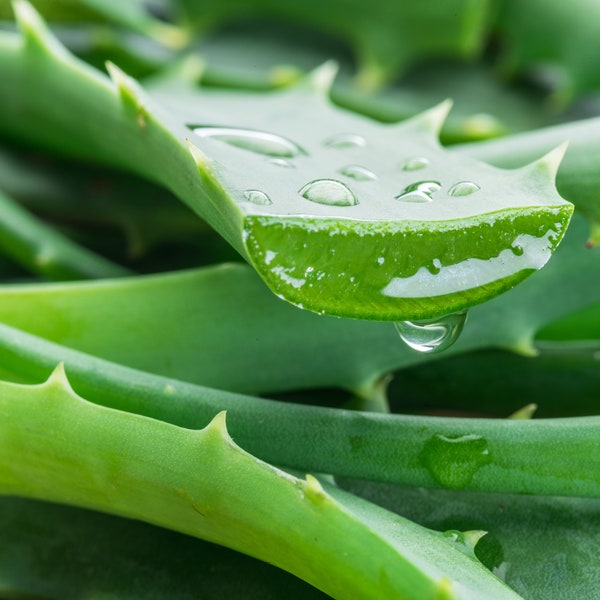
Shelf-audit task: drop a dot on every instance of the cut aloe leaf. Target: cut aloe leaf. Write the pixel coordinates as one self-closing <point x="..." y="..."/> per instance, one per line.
<point x="338" y="214"/>
<point x="337" y="223"/>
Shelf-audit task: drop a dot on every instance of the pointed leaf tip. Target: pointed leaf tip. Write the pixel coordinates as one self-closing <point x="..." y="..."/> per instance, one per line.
<point x="199" y="157"/>
<point x="551" y="161"/>
<point x="313" y="489"/>
<point x="59" y="378"/>
<point x="34" y="29"/>
<point x="431" y="120"/>
<point x="219" y="421"/>
<point x="129" y="91"/>
<point x="322" y="78"/>
<point x="524" y="413"/>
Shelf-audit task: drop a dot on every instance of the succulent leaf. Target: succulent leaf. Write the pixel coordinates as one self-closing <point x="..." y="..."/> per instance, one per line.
<point x="330" y="209"/>
<point x="57" y="446"/>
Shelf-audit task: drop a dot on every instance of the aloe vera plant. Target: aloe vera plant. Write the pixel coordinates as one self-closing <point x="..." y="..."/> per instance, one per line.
<point x="198" y="401"/>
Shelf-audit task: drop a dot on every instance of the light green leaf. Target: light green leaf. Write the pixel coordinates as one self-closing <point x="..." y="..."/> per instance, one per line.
<point x="58" y="447"/>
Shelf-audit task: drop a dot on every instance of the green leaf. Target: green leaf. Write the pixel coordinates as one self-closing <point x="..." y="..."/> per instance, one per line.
<point x="543" y="547"/>
<point x="44" y="251"/>
<point x="225" y="330"/>
<point x="553" y="40"/>
<point x="411" y="235"/>
<point x="58" y="447"/>
<point x="577" y="177"/>
<point x="550" y="456"/>
<point x="52" y="551"/>
<point x="387" y="38"/>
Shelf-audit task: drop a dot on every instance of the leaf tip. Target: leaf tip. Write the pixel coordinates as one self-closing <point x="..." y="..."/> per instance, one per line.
<point x="322" y="78"/>
<point x="201" y="160"/>
<point x="313" y="489"/>
<point x="34" y="30"/>
<point x="218" y="424"/>
<point x="129" y="92"/>
<point x="524" y="413"/>
<point x="58" y="378"/>
<point x="431" y="120"/>
<point x="551" y="161"/>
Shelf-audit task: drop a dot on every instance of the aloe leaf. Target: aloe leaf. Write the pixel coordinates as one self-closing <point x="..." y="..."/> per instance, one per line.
<point x="386" y="38"/>
<point x="539" y="36"/>
<point x="46" y="252"/>
<point x="577" y="177"/>
<point x="543" y="547"/>
<point x="477" y="454"/>
<point x="58" y="447"/>
<point x="235" y="335"/>
<point x="562" y="380"/>
<point x="45" y="552"/>
<point x="374" y="241"/>
<point x="132" y="15"/>
<point x="99" y="199"/>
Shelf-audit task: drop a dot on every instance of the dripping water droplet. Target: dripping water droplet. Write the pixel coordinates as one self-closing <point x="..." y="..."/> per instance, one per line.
<point x="415" y="164"/>
<point x="421" y="191"/>
<point x="517" y="250"/>
<point x="359" y="173"/>
<point x="260" y="142"/>
<point x="463" y="188"/>
<point x="453" y="461"/>
<point x="328" y="191"/>
<point x="434" y="335"/>
<point x="257" y="197"/>
<point x="345" y="140"/>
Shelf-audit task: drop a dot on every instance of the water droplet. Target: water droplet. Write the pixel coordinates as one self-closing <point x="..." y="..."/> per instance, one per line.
<point x="453" y="460"/>
<point x="345" y="140"/>
<point x="517" y="250"/>
<point x="463" y="188"/>
<point x="281" y="162"/>
<point x="328" y="191"/>
<point x="415" y="164"/>
<point x="464" y="541"/>
<point x="260" y="142"/>
<point x="454" y="535"/>
<point x="257" y="197"/>
<point x="359" y="173"/>
<point x="433" y="335"/>
<point x="420" y="191"/>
